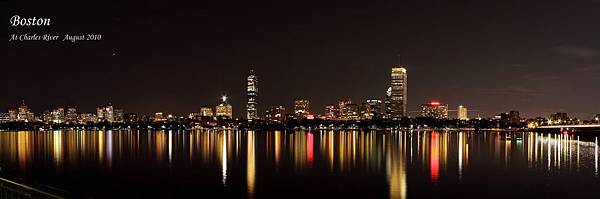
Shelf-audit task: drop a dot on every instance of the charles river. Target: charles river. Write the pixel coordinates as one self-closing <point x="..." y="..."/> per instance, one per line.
<point x="302" y="164"/>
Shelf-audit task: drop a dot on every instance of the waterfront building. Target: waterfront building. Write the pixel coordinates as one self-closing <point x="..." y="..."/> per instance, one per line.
<point x="462" y="113"/>
<point x="71" y="115"/>
<point x="87" y="118"/>
<point x="301" y="108"/>
<point x="344" y="109"/>
<point x="558" y="118"/>
<point x="330" y="112"/>
<point x="352" y="112"/>
<point x="130" y="117"/>
<point x="159" y="117"/>
<point x="105" y="114"/>
<point x="252" y="94"/>
<point x="206" y="112"/>
<point x="4" y="117"/>
<point x="12" y="115"/>
<point x="275" y="114"/>
<point x="118" y="115"/>
<point x="511" y="117"/>
<point x="434" y="109"/>
<point x="398" y="92"/>
<point x="371" y="109"/>
<point x="224" y="109"/>
<point x="24" y="114"/>
<point x="388" y="102"/>
<point x="58" y="116"/>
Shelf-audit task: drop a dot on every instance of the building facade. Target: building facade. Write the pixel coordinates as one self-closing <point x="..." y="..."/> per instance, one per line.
<point x="398" y="93"/>
<point x="435" y="110"/>
<point x="275" y="114"/>
<point x="206" y="112"/>
<point x="252" y="94"/>
<point x="224" y="109"/>
<point x="371" y="109"/>
<point x="301" y="108"/>
<point x="462" y="113"/>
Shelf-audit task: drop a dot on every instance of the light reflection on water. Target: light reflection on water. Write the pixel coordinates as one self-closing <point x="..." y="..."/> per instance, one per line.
<point x="438" y="157"/>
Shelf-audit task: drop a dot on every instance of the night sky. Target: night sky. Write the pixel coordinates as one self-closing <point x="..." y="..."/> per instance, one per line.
<point x="535" y="57"/>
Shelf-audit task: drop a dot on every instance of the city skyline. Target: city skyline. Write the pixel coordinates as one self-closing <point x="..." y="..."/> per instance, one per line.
<point x="460" y="53"/>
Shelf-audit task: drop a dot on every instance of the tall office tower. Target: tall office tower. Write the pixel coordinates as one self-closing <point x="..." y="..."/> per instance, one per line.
<point x="344" y="111"/>
<point x="388" y="102"/>
<point x="461" y="113"/>
<point x="105" y="114"/>
<point x="371" y="109"/>
<point x="434" y="109"/>
<point x="206" y="112"/>
<point x="252" y="94"/>
<point x="23" y="114"/>
<point x="71" y="116"/>
<point x="301" y="108"/>
<point x="352" y="112"/>
<point x="330" y="112"/>
<point x="224" y="109"/>
<point x="58" y="116"/>
<point x="275" y="114"/>
<point x="398" y="93"/>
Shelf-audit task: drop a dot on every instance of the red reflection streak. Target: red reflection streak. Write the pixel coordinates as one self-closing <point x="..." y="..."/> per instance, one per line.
<point x="434" y="164"/>
<point x="309" y="150"/>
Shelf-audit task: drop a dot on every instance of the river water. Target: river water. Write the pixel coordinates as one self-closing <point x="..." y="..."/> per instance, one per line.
<point x="300" y="164"/>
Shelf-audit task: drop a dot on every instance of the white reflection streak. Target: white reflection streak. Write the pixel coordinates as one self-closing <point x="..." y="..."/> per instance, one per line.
<point x="224" y="159"/>
<point x="596" y="156"/>
<point x="170" y="145"/>
<point x="460" y="149"/>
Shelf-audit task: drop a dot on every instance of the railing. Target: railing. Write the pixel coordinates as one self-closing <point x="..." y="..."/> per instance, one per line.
<point x="13" y="190"/>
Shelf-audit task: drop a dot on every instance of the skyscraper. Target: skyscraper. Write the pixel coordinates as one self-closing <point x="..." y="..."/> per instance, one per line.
<point x="24" y="115"/>
<point x="105" y="114"/>
<point x="461" y="113"/>
<point x="252" y="94"/>
<point x="330" y="112"/>
<point x="224" y="109"/>
<point x="398" y="93"/>
<point x="301" y="108"/>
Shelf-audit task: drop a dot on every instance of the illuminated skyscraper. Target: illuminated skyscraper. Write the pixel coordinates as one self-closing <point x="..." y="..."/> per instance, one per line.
<point x="252" y="94"/>
<point x="24" y="115"/>
<point x="301" y="108"/>
<point x="434" y="109"/>
<point x="71" y="116"/>
<point x="58" y="116"/>
<point x="206" y="112"/>
<point x="224" y="109"/>
<point x="105" y="114"/>
<point x="398" y="93"/>
<point x="275" y="114"/>
<point x="344" y="109"/>
<point x="461" y="113"/>
<point x="330" y="112"/>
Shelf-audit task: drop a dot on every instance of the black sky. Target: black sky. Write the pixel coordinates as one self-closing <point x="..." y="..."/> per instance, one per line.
<point x="534" y="56"/>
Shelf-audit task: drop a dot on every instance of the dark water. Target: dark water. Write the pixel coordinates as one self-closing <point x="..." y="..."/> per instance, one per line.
<point x="161" y="164"/>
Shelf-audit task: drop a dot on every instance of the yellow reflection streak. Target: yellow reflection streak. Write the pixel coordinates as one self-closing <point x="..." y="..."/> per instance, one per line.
<point x="250" y="167"/>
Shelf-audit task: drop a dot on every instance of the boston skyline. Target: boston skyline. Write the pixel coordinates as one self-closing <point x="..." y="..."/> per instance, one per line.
<point x="492" y="56"/>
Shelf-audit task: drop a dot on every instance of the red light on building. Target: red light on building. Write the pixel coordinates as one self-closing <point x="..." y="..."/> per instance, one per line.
<point x="310" y="116"/>
<point x="434" y="103"/>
